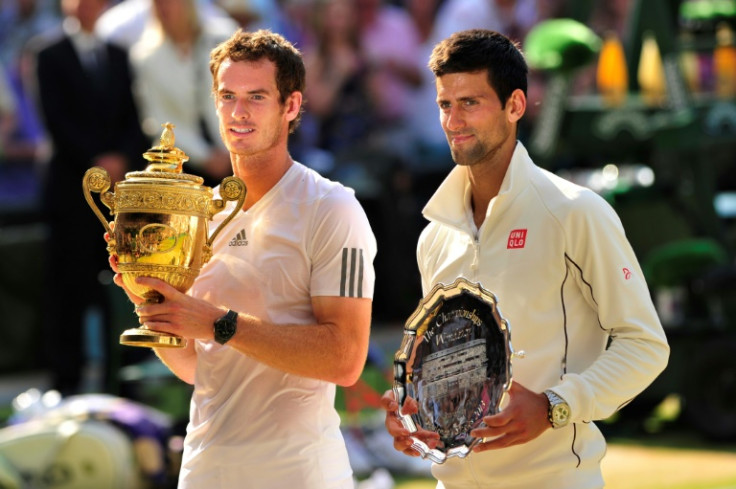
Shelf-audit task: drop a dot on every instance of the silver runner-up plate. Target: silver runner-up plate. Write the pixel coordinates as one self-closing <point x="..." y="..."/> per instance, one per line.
<point x="455" y="361"/>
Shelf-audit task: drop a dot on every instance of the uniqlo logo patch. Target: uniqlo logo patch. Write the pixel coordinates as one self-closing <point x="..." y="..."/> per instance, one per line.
<point x="517" y="239"/>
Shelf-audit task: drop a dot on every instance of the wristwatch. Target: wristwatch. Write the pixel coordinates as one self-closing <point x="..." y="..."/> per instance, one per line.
<point x="225" y="327"/>
<point x="559" y="410"/>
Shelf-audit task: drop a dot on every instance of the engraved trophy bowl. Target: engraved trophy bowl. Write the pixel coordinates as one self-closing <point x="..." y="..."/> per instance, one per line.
<point x="160" y="226"/>
<point x="455" y="361"/>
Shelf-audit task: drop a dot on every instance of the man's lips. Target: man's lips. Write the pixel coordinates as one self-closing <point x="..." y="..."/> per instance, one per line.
<point x="460" y="138"/>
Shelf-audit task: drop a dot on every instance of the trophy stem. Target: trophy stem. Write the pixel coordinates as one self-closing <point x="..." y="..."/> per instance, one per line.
<point x="149" y="338"/>
<point x="144" y="337"/>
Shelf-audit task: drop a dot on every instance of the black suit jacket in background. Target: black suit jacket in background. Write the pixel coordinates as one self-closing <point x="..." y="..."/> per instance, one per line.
<point x="84" y="116"/>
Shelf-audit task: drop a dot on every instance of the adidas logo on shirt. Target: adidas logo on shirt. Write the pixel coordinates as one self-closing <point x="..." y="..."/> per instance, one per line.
<point x="239" y="239"/>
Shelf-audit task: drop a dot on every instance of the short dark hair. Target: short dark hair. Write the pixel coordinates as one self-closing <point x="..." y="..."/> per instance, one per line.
<point x="254" y="46"/>
<point x="476" y="50"/>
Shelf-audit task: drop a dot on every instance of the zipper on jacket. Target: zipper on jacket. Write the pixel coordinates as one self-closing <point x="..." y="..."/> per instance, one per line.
<point x="476" y="253"/>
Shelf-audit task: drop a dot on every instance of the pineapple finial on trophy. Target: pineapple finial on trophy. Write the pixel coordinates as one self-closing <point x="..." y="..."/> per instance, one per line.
<point x="166" y="157"/>
<point x="167" y="135"/>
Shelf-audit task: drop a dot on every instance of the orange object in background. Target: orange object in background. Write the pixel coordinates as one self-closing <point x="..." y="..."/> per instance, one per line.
<point x="724" y="62"/>
<point x="612" y="76"/>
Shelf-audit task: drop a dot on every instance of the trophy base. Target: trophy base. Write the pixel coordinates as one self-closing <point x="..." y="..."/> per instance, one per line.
<point x="143" y="337"/>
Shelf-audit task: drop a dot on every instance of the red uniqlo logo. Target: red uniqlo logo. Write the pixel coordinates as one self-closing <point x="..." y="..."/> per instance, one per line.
<point x="517" y="239"/>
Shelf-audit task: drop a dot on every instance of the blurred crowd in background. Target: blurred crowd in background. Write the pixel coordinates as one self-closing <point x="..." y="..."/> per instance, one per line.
<point x="90" y="82"/>
<point x="370" y="119"/>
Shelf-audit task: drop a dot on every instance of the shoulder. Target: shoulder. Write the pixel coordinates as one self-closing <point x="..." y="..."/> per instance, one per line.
<point x="329" y="207"/>
<point x="561" y="196"/>
<point x="579" y="213"/>
<point x="47" y="43"/>
<point x="310" y="187"/>
<point x="436" y="238"/>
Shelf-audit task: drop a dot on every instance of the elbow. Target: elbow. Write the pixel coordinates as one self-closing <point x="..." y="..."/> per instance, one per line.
<point x="352" y="368"/>
<point x="664" y="356"/>
<point x="659" y="355"/>
<point x="346" y="381"/>
<point x="662" y="348"/>
<point x="350" y="375"/>
<point x="188" y="379"/>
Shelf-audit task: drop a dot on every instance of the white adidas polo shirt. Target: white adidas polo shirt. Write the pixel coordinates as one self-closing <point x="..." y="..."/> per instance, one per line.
<point x="252" y="426"/>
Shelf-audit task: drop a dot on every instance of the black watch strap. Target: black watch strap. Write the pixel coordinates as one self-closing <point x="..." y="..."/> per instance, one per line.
<point x="225" y="327"/>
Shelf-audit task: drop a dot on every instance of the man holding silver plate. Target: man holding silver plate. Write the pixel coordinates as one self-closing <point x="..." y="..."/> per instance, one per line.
<point x="554" y="257"/>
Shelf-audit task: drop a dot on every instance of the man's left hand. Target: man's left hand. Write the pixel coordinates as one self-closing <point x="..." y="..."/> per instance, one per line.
<point x="523" y="419"/>
<point x="179" y="313"/>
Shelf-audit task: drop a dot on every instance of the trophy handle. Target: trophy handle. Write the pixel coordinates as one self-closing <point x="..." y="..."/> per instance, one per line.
<point x="96" y="179"/>
<point x="231" y="188"/>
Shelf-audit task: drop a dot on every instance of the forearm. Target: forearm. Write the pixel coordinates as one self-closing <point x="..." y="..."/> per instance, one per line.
<point x="622" y="372"/>
<point x="333" y="348"/>
<point x="330" y="351"/>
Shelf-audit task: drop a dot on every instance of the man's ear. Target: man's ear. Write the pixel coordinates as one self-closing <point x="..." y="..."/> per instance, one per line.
<point x="293" y="105"/>
<point x="516" y="105"/>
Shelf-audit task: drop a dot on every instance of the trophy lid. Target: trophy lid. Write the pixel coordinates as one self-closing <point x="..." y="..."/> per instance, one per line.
<point x="166" y="160"/>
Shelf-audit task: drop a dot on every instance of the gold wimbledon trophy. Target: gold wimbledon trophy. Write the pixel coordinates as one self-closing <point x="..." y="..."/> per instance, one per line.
<point x="160" y="226"/>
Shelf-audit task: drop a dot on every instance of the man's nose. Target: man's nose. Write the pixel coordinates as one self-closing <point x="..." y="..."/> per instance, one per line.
<point x="453" y="119"/>
<point x="240" y="110"/>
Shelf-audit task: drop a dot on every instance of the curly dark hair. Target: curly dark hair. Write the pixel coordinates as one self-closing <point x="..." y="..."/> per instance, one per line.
<point x="254" y="46"/>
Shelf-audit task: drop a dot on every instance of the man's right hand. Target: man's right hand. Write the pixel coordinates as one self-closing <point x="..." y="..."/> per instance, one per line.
<point x="118" y="278"/>
<point x="403" y="439"/>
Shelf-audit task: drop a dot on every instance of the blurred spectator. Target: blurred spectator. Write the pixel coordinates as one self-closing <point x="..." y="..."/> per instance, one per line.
<point x="390" y="41"/>
<point x="336" y="93"/>
<point x="519" y="16"/>
<point x="612" y="15"/>
<point x="173" y="84"/>
<point x="297" y="17"/>
<point x="20" y="21"/>
<point x="252" y="15"/>
<point x="7" y="109"/>
<point x="15" y="146"/>
<point x="85" y="98"/>
<point x="125" y="22"/>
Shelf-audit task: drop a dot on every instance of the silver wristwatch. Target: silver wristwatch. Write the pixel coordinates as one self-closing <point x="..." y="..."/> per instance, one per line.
<point x="559" y="410"/>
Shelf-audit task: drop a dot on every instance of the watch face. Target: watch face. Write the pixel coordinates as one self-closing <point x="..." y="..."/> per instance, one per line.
<point x="225" y="327"/>
<point x="560" y="414"/>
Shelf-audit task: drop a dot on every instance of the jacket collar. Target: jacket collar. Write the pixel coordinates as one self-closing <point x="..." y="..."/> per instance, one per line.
<point x="450" y="204"/>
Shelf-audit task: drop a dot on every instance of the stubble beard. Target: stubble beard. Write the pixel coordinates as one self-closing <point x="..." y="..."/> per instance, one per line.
<point x="253" y="151"/>
<point x="470" y="156"/>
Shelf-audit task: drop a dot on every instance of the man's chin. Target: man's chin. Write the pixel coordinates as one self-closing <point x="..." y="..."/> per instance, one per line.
<point x="461" y="160"/>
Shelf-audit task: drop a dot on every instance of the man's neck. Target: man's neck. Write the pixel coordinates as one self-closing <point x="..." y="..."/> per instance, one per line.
<point x="260" y="174"/>
<point x="485" y="183"/>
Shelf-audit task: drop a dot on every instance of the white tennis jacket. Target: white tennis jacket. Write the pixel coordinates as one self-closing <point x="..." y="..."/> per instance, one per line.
<point x="567" y="280"/>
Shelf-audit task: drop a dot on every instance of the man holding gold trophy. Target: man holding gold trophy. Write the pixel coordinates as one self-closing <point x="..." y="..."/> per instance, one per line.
<point x="281" y="312"/>
<point x="556" y="257"/>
